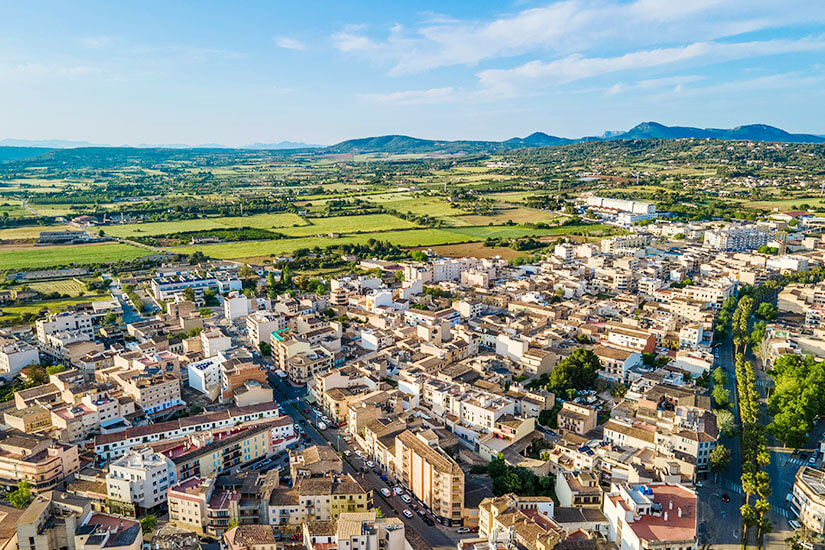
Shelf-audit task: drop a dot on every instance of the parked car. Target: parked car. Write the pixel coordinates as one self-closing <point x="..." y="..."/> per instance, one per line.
<point x="462" y="530"/>
<point x="386" y="492"/>
<point x="347" y="452"/>
<point x="406" y="498"/>
<point x="370" y="463"/>
<point x="398" y="491"/>
<point x="407" y="513"/>
<point x="428" y="521"/>
<point x="383" y="477"/>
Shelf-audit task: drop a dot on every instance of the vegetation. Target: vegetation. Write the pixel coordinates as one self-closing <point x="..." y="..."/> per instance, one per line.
<point x="21" y="497"/>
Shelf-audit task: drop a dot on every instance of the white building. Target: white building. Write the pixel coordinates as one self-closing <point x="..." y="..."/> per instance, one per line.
<point x="15" y="355"/>
<point x="645" y="517"/>
<point x="261" y="324"/>
<point x="214" y="341"/>
<point x="65" y="321"/>
<point x="736" y="237"/>
<point x="235" y="306"/>
<point x="142" y="477"/>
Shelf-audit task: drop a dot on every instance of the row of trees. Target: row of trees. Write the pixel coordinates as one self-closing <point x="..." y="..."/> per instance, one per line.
<point x="755" y="456"/>
<point x="798" y="398"/>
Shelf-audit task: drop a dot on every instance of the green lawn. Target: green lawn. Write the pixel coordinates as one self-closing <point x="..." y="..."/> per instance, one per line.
<point x="54" y="256"/>
<point x="28" y="231"/>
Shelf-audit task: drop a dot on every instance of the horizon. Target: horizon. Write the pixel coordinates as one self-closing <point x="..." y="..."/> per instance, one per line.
<point x="320" y="74"/>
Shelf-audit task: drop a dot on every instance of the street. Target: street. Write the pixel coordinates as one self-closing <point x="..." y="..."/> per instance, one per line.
<point x="291" y="399"/>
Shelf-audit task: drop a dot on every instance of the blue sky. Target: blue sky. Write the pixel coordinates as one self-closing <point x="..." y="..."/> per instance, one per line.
<point x="320" y="72"/>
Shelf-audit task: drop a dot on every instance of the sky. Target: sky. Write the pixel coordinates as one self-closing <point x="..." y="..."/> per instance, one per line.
<point x="321" y="72"/>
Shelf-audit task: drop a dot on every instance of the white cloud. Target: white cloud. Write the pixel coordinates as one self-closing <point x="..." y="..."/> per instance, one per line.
<point x="96" y="42"/>
<point x="414" y="97"/>
<point x="570" y="26"/>
<point x="576" y="66"/>
<point x="289" y="43"/>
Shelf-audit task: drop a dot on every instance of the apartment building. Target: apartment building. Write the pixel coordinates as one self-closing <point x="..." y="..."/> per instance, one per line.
<point x="168" y="288"/>
<point x="736" y="237"/>
<point x="15" y="355"/>
<point x="51" y="521"/>
<point x="616" y="363"/>
<point x="430" y="474"/>
<point x="655" y="516"/>
<point x="37" y="459"/>
<point x="154" y="393"/>
<point x="65" y="321"/>
<point x="115" y="444"/>
<point x="576" y="418"/>
<point x="578" y="490"/>
<point x="356" y="531"/>
<point x="522" y="521"/>
<point x="140" y="477"/>
<point x="808" y="499"/>
<point x="261" y="324"/>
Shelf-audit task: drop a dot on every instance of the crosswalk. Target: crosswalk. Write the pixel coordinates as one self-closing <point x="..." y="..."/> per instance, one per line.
<point x="731" y="486"/>
<point x="797" y="461"/>
<point x="784" y="512"/>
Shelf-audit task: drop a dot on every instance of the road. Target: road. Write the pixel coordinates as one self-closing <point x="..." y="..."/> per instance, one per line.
<point x="292" y="400"/>
<point x="720" y="522"/>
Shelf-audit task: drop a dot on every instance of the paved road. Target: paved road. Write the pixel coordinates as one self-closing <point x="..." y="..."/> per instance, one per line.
<point x="439" y="537"/>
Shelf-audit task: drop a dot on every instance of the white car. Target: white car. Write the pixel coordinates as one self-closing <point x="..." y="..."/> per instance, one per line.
<point x="358" y="452"/>
<point x="407" y="513"/>
<point x="398" y="491"/>
<point x="347" y="452"/>
<point x="370" y="463"/>
<point x="385" y="492"/>
<point x="462" y="530"/>
<point x="406" y="498"/>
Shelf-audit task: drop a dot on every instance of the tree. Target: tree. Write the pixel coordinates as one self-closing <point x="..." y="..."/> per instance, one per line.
<point x="188" y="294"/>
<point x="719" y="459"/>
<point x="720" y="377"/>
<point x="766" y="312"/>
<point x="149" y="523"/>
<point x="265" y="348"/>
<point x="22" y="496"/>
<point x="721" y="396"/>
<point x="55" y="369"/>
<point x="506" y="483"/>
<point x="578" y="371"/>
<point x="725" y="422"/>
<point x="110" y="318"/>
<point x="418" y="255"/>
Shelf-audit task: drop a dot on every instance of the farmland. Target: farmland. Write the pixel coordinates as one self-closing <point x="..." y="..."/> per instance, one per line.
<point x="53" y="256"/>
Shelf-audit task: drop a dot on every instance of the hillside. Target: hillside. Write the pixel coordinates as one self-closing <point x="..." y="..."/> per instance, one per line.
<point x="8" y="154"/>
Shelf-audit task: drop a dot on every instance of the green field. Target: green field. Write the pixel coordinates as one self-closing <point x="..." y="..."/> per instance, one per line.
<point x="348" y="224"/>
<point x="27" y="232"/>
<point x="66" y="286"/>
<point x="259" y="221"/>
<point x="786" y="204"/>
<point x="54" y="256"/>
<point x="408" y="238"/>
<point x="9" y="312"/>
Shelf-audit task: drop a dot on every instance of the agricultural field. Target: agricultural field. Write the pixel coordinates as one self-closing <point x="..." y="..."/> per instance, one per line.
<point x="348" y="224"/>
<point x="72" y="287"/>
<point x="259" y="221"/>
<point x="52" y="256"/>
<point x="8" y="313"/>
<point x="27" y="232"/>
<point x="402" y="238"/>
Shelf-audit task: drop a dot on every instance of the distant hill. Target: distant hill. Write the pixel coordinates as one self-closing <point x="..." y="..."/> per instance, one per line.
<point x="537" y="139"/>
<point x="399" y="144"/>
<point x="280" y="145"/>
<point x="18" y="153"/>
<point x="750" y="132"/>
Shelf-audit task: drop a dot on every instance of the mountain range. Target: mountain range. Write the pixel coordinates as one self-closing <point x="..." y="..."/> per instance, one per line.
<point x="645" y="130"/>
<point x="13" y="149"/>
